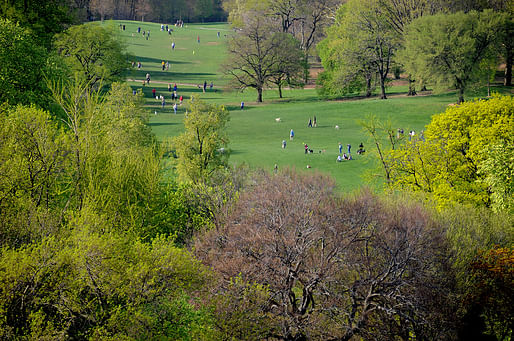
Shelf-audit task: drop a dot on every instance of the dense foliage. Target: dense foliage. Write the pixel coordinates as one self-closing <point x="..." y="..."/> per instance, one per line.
<point x="458" y="157"/>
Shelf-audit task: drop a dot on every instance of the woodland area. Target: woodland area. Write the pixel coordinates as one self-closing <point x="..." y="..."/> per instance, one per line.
<point x="107" y="233"/>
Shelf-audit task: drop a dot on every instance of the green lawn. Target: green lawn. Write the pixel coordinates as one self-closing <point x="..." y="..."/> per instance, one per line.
<point x="255" y="136"/>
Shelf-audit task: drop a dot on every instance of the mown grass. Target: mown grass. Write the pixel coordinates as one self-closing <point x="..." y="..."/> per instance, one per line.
<point x="255" y="136"/>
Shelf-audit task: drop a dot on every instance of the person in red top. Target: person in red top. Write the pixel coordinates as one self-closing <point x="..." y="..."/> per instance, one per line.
<point x="153" y="92"/>
<point x="181" y="98"/>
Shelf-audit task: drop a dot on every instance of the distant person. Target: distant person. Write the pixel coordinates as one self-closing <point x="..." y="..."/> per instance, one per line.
<point x="139" y="65"/>
<point x="204" y="86"/>
<point x="340" y="148"/>
<point x="163" y="102"/>
<point x="148" y="78"/>
<point x="283" y="144"/>
<point x="306" y="148"/>
<point x="198" y="39"/>
<point x="175" y="108"/>
<point x="275" y="169"/>
<point x="181" y="99"/>
<point x="218" y="34"/>
<point x="163" y="64"/>
<point x="169" y="87"/>
<point x="349" y="147"/>
<point x="173" y="45"/>
<point x="309" y="125"/>
<point x="211" y="85"/>
<point x="242" y="105"/>
<point x="361" y="149"/>
<point x="339" y="158"/>
<point x="314" y="122"/>
<point x="291" y="135"/>
<point x="153" y="92"/>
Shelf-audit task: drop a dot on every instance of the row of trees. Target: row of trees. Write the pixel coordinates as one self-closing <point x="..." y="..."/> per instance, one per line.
<point x="435" y="43"/>
<point x="157" y="10"/>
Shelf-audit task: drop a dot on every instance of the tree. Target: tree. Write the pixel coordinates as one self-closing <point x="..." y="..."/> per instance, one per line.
<point x="102" y="7"/>
<point x="481" y="257"/>
<point x="33" y="175"/>
<point x="459" y="161"/>
<point x="361" y="40"/>
<point x="43" y="18"/>
<point x="201" y="148"/>
<point x="93" y="53"/>
<point x="289" y="69"/>
<point x="328" y="275"/>
<point x="492" y="275"/>
<point x="256" y="55"/>
<point x="446" y="49"/>
<point x="105" y="286"/>
<point x="22" y="67"/>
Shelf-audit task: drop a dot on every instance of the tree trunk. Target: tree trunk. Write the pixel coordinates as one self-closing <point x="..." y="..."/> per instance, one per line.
<point x="508" y="69"/>
<point x="368" y="86"/>
<point x="259" y="95"/>
<point x="412" y="87"/>
<point x="461" y="95"/>
<point x="382" y="88"/>
<point x="280" y="90"/>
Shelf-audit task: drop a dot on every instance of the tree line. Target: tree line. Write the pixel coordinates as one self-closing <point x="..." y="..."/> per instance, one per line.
<point x="444" y="44"/>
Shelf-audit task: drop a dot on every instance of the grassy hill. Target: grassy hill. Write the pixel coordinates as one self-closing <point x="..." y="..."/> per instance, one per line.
<point x="255" y="135"/>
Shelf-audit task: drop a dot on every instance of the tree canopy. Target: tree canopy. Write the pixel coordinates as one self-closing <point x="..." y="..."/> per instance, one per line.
<point x="446" y="49"/>
<point x="359" y="46"/>
<point x="458" y="157"/>
<point x="92" y="52"/>
<point x="201" y="149"/>
<point x="23" y="62"/>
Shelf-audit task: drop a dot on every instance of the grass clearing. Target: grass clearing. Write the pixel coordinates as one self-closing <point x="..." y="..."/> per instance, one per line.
<point x="255" y="136"/>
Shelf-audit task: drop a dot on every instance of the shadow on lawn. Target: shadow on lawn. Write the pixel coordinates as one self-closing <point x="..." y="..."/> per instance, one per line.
<point x="145" y="60"/>
<point x="160" y="124"/>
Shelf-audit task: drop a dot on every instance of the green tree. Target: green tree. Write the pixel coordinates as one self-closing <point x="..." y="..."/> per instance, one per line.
<point x="43" y="18"/>
<point x="22" y="66"/>
<point x="290" y="67"/>
<point x="459" y="161"/>
<point x="101" y="286"/>
<point x="201" y="148"/>
<point x="361" y="44"/>
<point x="34" y="165"/>
<point x="446" y="49"/>
<point x="92" y="52"/>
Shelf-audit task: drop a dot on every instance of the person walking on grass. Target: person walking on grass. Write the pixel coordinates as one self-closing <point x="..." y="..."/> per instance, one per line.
<point x="291" y="135"/>
<point x="175" y="108"/>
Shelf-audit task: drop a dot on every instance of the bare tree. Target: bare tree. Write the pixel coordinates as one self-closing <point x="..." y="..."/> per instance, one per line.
<point x="143" y="8"/>
<point x="332" y="267"/>
<point x="102" y="7"/>
<point x="254" y="55"/>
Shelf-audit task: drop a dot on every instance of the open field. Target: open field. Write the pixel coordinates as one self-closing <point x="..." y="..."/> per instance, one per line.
<point x="255" y="136"/>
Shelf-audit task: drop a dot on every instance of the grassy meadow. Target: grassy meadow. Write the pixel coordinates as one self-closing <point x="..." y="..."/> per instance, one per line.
<point x="255" y="135"/>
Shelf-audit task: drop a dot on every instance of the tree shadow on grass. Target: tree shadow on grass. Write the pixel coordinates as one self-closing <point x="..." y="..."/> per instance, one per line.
<point x="159" y="124"/>
<point x="158" y="61"/>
